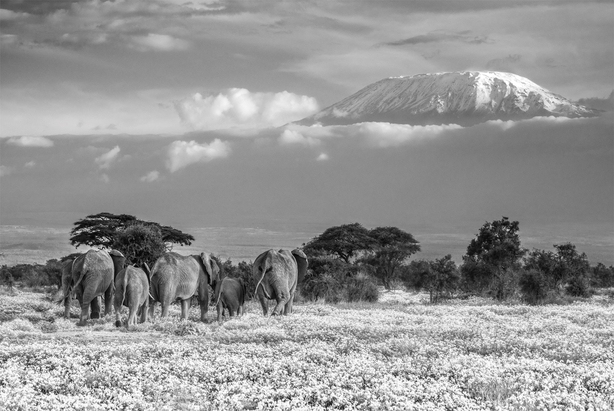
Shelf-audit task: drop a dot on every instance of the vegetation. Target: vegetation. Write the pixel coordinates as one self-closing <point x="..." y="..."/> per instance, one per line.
<point x="477" y="355"/>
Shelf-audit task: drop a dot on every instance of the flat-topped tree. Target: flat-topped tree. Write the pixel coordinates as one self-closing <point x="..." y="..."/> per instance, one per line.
<point x="123" y="232"/>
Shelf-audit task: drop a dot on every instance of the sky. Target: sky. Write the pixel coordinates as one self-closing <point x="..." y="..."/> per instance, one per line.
<point x="177" y="111"/>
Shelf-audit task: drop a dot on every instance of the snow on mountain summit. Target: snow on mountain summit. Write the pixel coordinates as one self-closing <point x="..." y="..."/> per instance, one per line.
<point x="463" y="98"/>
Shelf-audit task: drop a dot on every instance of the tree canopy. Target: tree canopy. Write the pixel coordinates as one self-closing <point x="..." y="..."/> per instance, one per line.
<point x="344" y="242"/>
<point x="102" y="229"/>
<point x="497" y="244"/>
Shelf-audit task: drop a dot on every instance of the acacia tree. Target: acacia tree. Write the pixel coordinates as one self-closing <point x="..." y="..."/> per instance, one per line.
<point x="140" y="244"/>
<point x="345" y="242"/>
<point x="101" y="230"/>
<point x="391" y="248"/>
<point x="495" y="252"/>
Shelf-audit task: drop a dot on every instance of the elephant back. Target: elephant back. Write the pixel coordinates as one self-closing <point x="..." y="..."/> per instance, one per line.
<point x="96" y="271"/>
<point x="174" y="276"/>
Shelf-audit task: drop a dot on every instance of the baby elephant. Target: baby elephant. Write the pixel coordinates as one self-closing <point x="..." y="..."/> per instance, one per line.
<point x="230" y="294"/>
<point x="132" y="291"/>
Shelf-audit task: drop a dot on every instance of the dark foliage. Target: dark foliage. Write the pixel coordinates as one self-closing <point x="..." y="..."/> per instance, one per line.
<point x="602" y="276"/>
<point x="140" y="243"/>
<point x="533" y="286"/>
<point x="242" y="270"/>
<point x="101" y="230"/>
<point x="345" y="242"/>
<point x="440" y="277"/>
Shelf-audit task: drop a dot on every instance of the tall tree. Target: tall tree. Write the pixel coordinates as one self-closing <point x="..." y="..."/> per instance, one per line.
<point x="102" y="229"/>
<point x="140" y="243"/>
<point x="345" y="242"/>
<point x="391" y="248"/>
<point x="495" y="252"/>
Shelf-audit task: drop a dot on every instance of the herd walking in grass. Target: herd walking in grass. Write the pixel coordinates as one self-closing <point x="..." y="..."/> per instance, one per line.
<point x="175" y="278"/>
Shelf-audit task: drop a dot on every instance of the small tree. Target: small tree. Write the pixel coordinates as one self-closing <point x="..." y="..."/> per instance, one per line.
<point x="497" y="249"/>
<point x="100" y="230"/>
<point x="602" y="276"/>
<point x="533" y="286"/>
<point x="443" y="279"/>
<point x="392" y="248"/>
<point x="345" y="242"/>
<point x="140" y="243"/>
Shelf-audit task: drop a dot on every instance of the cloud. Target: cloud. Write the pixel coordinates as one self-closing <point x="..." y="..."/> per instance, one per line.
<point x="151" y="176"/>
<point x="322" y="157"/>
<point x="240" y="107"/>
<point x="294" y="137"/>
<point x="505" y="63"/>
<point x="181" y="153"/>
<point x="5" y="171"/>
<point x="104" y="178"/>
<point x="159" y="42"/>
<point x="30" y="141"/>
<point x="105" y="160"/>
<point x="605" y="104"/>
<point x="442" y="36"/>
<point x="30" y="164"/>
<point x="370" y="133"/>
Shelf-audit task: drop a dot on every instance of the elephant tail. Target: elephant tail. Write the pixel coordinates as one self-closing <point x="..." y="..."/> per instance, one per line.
<point x="258" y="285"/>
<point x="124" y="286"/>
<point x="81" y="277"/>
<point x="218" y="290"/>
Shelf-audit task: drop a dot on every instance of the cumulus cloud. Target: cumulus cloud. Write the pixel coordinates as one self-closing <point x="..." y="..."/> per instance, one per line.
<point x="30" y="164"/>
<point x="294" y="137"/>
<point x="151" y="176"/>
<point x="104" y="178"/>
<point x="105" y="160"/>
<point x="158" y="42"/>
<point x="240" y="107"/>
<point x="182" y="153"/>
<point x="322" y="157"/>
<point x="30" y="141"/>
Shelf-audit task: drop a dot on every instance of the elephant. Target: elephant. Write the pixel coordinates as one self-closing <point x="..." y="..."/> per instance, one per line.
<point x="91" y="276"/>
<point x="177" y="277"/>
<point x="278" y="273"/>
<point x="132" y="291"/>
<point x="230" y="293"/>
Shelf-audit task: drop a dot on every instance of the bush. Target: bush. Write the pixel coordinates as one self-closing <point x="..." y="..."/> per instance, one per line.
<point x="578" y="287"/>
<point x="533" y="286"/>
<point x="362" y="288"/>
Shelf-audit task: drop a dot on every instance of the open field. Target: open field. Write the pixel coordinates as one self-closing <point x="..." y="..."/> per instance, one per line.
<point x="396" y="354"/>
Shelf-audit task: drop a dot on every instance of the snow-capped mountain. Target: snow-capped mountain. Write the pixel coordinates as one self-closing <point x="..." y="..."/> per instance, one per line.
<point x="463" y="98"/>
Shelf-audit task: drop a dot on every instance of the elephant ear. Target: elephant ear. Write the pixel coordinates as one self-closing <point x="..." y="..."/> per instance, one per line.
<point x="213" y="270"/>
<point x="301" y="262"/>
<point x="119" y="261"/>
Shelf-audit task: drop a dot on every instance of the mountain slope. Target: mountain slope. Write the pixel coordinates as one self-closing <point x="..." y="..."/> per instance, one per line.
<point x="463" y="98"/>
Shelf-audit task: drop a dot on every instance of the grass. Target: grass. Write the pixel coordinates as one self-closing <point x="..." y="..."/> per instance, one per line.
<point x="397" y="354"/>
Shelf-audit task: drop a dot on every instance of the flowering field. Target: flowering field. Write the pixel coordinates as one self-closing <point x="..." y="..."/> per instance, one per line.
<point x="390" y="355"/>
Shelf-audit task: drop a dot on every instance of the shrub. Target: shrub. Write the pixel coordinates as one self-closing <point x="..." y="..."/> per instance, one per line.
<point x="578" y="287"/>
<point x="362" y="288"/>
<point x="533" y="286"/>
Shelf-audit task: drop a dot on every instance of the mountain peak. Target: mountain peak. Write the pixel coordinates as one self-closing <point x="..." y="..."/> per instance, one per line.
<point x="464" y="98"/>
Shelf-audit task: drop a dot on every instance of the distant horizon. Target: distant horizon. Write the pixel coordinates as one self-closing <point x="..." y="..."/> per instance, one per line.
<point x="178" y="112"/>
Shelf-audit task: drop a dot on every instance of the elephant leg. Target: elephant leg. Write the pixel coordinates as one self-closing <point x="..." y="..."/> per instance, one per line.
<point x="282" y="299"/>
<point x="288" y="307"/>
<point x="264" y="304"/>
<point x="67" y="302"/>
<point x="151" y="309"/>
<point x="144" y="312"/>
<point x="185" y="308"/>
<point x="108" y="300"/>
<point x="118" y="317"/>
<point x="84" y="315"/>
<point x="220" y="310"/>
<point x="203" y="301"/>
<point x="95" y="304"/>
<point x="165" y="307"/>
<point x="132" y="315"/>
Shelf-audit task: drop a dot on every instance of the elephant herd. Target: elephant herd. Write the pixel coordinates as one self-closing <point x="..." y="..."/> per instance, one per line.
<point x="175" y="277"/>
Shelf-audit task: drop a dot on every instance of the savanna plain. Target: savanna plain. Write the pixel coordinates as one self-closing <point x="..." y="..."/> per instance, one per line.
<point x="400" y="353"/>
